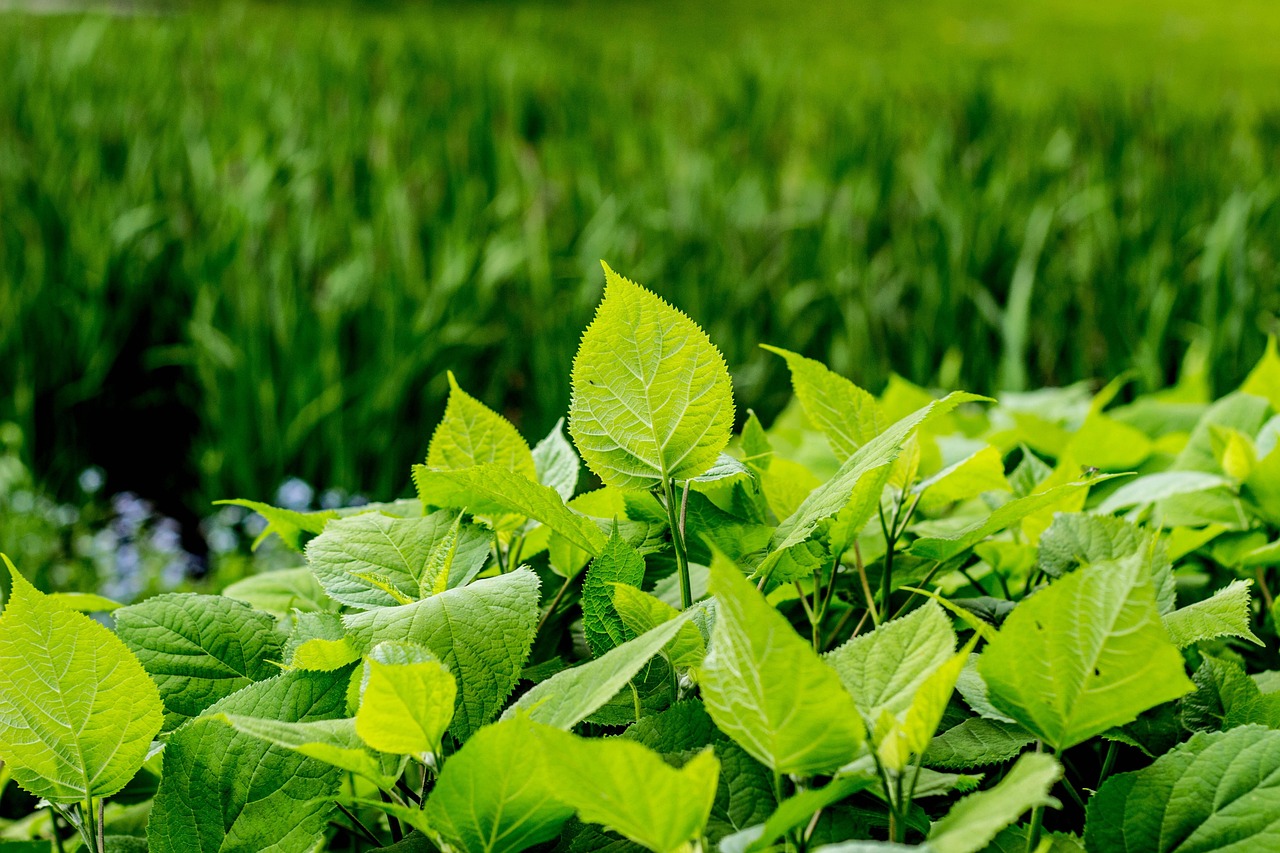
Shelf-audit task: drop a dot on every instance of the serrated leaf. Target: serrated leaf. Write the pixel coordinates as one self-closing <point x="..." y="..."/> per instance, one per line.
<point x="883" y="669"/>
<point x="899" y="739"/>
<point x="490" y="490"/>
<point x="557" y="462"/>
<point x="200" y="648"/>
<point x="792" y="714"/>
<point x="1081" y="539"/>
<point x="569" y="697"/>
<point x="1218" y="791"/>
<point x="1085" y="654"/>
<point x="975" y="820"/>
<point x="1222" y="687"/>
<point x="982" y="471"/>
<point x="976" y="742"/>
<point x="333" y="742"/>
<point x="407" y="702"/>
<point x="482" y="632"/>
<point x="322" y="655"/>
<point x="470" y="433"/>
<point x="84" y="602"/>
<point x="796" y="811"/>
<point x="495" y="795"/>
<point x="651" y="397"/>
<point x="282" y="591"/>
<point x="222" y="790"/>
<point x="848" y="416"/>
<point x="618" y="563"/>
<point x="292" y="527"/>
<point x="642" y="612"/>
<point x="1224" y="614"/>
<point x="373" y="560"/>
<point x="77" y="710"/>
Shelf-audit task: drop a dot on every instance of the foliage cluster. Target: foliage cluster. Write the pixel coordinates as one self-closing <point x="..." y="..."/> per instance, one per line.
<point x="272" y="227"/>
<point x="894" y="623"/>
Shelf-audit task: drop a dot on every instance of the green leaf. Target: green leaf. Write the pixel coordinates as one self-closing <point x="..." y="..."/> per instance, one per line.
<point x="883" y="669"/>
<point x="200" y="648"/>
<point x="651" y="398"/>
<point x="1217" y="791"/>
<point x="373" y="560"/>
<point x="981" y="472"/>
<point x="490" y="490"/>
<point x="756" y="449"/>
<point x="1264" y="380"/>
<point x="473" y="434"/>
<point x="618" y="563"/>
<point x="900" y="738"/>
<point x="796" y="811"/>
<point x="494" y="795"/>
<point x="482" y="632"/>
<point x="282" y="592"/>
<point x="292" y="527"/>
<point x="1224" y="614"/>
<point x="77" y="710"/>
<point x="642" y="612"/>
<point x="847" y="415"/>
<point x="323" y="655"/>
<point x="976" y="742"/>
<point x="407" y="701"/>
<point x="1222" y="690"/>
<point x="84" y="602"/>
<point x="557" y="462"/>
<point x="569" y="697"/>
<point x="975" y="820"/>
<point x="1080" y="539"/>
<point x="630" y="789"/>
<point x="334" y="742"/>
<point x="792" y="714"/>
<point x="1161" y="486"/>
<point x="1085" y="654"/>
<point x="833" y="495"/>
<point x="222" y="790"/>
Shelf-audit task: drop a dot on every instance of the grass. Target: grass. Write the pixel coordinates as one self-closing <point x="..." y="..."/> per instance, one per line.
<point x="247" y="242"/>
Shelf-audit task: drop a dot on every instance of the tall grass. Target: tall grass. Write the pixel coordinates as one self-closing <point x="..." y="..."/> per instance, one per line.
<point x="275" y="230"/>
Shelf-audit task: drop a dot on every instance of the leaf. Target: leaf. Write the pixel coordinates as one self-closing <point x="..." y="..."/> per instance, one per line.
<point x="482" y="632"/>
<point x="323" y="655"/>
<point x="1217" y="791"/>
<point x="900" y="738"/>
<point x="200" y="648"/>
<point x="792" y="714"/>
<point x="983" y="471"/>
<point x="618" y="563"/>
<point x="975" y="820"/>
<point x="407" y="702"/>
<point x="77" y="710"/>
<point x="473" y="434"/>
<point x="642" y="612"/>
<point x="1083" y="655"/>
<point x="333" y="742"/>
<point x="282" y="592"/>
<point x="495" y="794"/>
<point x="1080" y="539"/>
<point x="977" y="742"/>
<point x="1222" y="689"/>
<point x="1264" y="380"/>
<point x="833" y="495"/>
<point x="796" y="811"/>
<point x="84" y="602"/>
<point x="942" y="548"/>
<point x="1224" y="614"/>
<point x="490" y="490"/>
<point x="222" y="790"/>
<point x="847" y="415"/>
<point x="353" y="553"/>
<point x="756" y="449"/>
<point x="628" y="788"/>
<point x="569" y="697"/>
<point x="1157" y="487"/>
<point x="557" y="462"/>
<point x="651" y="396"/>
<point x="292" y="527"/>
<point x="883" y="669"/>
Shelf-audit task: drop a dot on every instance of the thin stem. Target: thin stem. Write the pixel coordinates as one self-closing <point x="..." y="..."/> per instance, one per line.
<point x="497" y="553"/>
<point x="513" y="553"/>
<point x="396" y="832"/>
<point x="356" y="822"/>
<point x="1108" y="762"/>
<point x="555" y="602"/>
<point x="406" y="790"/>
<point x="102" y="823"/>
<point x="924" y="583"/>
<point x="1270" y="601"/>
<point x="973" y="583"/>
<point x="674" y="520"/>
<point x="87" y="831"/>
<point x="808" y="611"/>
<point x="866" y="585"/>
<point x="57" y="835"/>
<point x="888" y="795"/>
<point x="1071" y="789"/>
<point x="1037" y="815"/>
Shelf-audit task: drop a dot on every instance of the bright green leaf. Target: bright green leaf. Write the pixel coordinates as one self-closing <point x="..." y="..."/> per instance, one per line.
<point x="847" y="415"/>
<point x="976" y="819"/>
<point x="473" y="434"/>
<point x="1224" y="614"/>
<point x="976" y="742"/>
<point x="334" y="742"/>
<point x="557" y="462"/>
<point x="408" y="700"/>
<point x="292" y="527"/>
<point x="618" y="563"/>
<point x="642" y="612"/>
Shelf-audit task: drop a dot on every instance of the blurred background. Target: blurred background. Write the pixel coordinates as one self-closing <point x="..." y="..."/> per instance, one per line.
<point x="240" y="245"/>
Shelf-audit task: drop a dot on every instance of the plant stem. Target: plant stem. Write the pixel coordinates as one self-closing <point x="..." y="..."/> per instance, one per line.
<point x="396" y="832"/>
<point x="1037" y="815"/>
<point x="675" y="519"/>
<point x="102" y="822"/>
<point x="57" y="835"/>
<point x="1270" y="601"/>
<point x="555" y="602"/>
<point x="866" y="585"/>
<point x="497" y="554"/>
<point x="358" y="824"/>
<point x="1108" y="762"/>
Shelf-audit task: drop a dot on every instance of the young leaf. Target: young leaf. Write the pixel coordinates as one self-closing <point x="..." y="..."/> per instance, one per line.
<point x="292" y="527"/>
<point x="77" y="710"/>
<point x="222" y="790"/>
<point x="976" y="742"/>
<point x="977" y="818"/>
<point x="200" y="648"/>
<point x="569" y="697"/>
<point x="618" y="563"/>
<point x="642" y="612"/>
<point x="490" y="490"/>
<point x="899" y="739"/>
<point x="847" y="415"/>
<point x="557" y="462"/>
<point x="353" y="554"/>
<point x="1160" y="486"/>
<point x="473" y="434"/>
<point x="884" y="668"/>
<point x="651" y="399"/>
<point x="797" y="811"/>
<point x="482" y="632"/>
<point x="792" y="714"/>
<point x="495" y="795"/>
<point x="407" y="701"/>
<point x="334" y="742"/>
<point x="282" y="592"/>
<point x="983" y="471"/>
<point x="1085" y="654"/>
<point x="1224" y="614"/>
<point x="1217" y="791"/>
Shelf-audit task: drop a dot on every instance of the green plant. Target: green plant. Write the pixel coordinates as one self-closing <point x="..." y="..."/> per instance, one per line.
<point x="885" y="623"/>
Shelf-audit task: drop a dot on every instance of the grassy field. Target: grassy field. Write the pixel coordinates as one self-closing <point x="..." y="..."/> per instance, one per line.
<point x="248" y="242"/>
